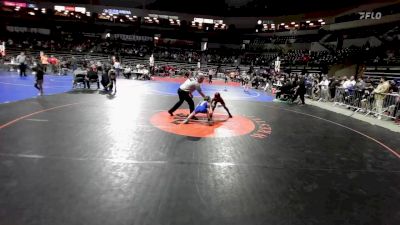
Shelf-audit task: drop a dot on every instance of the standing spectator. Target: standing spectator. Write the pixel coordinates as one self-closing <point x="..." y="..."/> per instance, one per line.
<point x="393" y="87"/>
<point x="324" y="84"/>
<point x="352" y="81"/>
<point x="347" y="84"/>
<point x="379" y="94"/>
<point x="300" y="90"/>
<point x="151" y="65"/>
<point x="117" y="67"/>
<point x="332" y="87"/>
<point x="21" y="60"/>
<point x="39" y="71"/>
<point x="112" y="81"/>
<point x="316" y="90"/>
<point x="360" y="85"/>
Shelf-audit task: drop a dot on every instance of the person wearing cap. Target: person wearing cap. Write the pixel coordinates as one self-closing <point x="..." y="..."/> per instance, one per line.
<point x="185" y="93"/>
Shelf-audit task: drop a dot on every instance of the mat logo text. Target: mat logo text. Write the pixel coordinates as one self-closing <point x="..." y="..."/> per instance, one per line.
<point x="263" y="131"/>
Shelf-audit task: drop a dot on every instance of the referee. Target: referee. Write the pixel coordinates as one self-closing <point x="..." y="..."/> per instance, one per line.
<point x="185" y="93"/>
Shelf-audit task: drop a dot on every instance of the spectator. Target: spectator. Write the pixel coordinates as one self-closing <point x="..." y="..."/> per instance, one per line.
<point x="360" y="85"/>
<point x="300" y="90"/>
<point x="21" y="60"/>
<point x="379" y="94"/>
<point x="324" y="84"/>
<point x="332" y="87"/>
<point x="348" y="84"/>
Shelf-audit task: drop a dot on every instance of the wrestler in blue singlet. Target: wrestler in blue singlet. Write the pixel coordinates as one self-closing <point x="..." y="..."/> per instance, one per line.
<point x="201" y="107"/>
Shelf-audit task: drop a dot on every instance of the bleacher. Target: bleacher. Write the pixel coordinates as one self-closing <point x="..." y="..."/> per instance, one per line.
<point x="128" y="60"/>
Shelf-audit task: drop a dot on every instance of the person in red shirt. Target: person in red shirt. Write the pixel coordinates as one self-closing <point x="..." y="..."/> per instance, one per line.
<point x="218" y="99"/>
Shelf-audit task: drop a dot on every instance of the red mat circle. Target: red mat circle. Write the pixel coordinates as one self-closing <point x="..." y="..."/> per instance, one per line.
<point x="222" y="127"/>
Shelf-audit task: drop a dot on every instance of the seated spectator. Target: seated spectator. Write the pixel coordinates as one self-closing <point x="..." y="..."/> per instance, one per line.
<point x="79" y="76"/>
<point x="92" y="77"/>
<point x="127" y="72"/>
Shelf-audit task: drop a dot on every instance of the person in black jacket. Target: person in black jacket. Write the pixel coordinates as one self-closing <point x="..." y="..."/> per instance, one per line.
<point x="39" y="71"/>
<point x="300" y="90"/>
<point x="92" y="76"/>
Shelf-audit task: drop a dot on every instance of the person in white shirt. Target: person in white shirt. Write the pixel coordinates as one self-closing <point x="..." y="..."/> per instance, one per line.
<point x="352" y="81"/>
<point x="21" y="59"/>
<point x="324" y="84"/>
<point x="151" y="64"/>
<point x="185" y="93"/>
<point x="347" y="83"/>
<point x="117" y="67"/>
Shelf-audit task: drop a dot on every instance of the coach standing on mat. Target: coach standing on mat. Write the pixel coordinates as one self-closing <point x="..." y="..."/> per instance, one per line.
<point x="185" y="93"/>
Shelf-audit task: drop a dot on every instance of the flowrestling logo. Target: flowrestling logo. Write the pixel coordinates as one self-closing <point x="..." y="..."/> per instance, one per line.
<point x="370" y="15"/>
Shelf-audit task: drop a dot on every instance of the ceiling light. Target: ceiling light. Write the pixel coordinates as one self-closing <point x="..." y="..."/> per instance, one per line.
<point x="293" y="23"/>
<point x="282" y="24"/>
<point x="307" y="21"/>
<point x="296" y="25"/>
<point x="311" y="24"/>
<point x="31" y="13"/>
<point x="36" y="9"/>
<point x="256" y="30"/>
<point x="320" y="20"/>
<point x="259" y="22"/>
<point x="322" y="23"/>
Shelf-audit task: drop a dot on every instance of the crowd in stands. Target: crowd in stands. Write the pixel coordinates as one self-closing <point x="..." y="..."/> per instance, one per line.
<point x="380" y="99"/>
<point x="376" y="56"/>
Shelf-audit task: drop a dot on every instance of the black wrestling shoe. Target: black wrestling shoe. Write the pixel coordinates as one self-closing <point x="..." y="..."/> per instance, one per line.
<point x="170" y="113"/>
<point x="230" y="116"/>
<point x="195" y="118"/>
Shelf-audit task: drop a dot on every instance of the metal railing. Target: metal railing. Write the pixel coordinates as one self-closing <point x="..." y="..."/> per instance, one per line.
<point x="365" y="101"/>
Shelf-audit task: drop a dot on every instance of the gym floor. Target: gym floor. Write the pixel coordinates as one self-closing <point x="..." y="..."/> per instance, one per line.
<point x="81" y="157"/>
